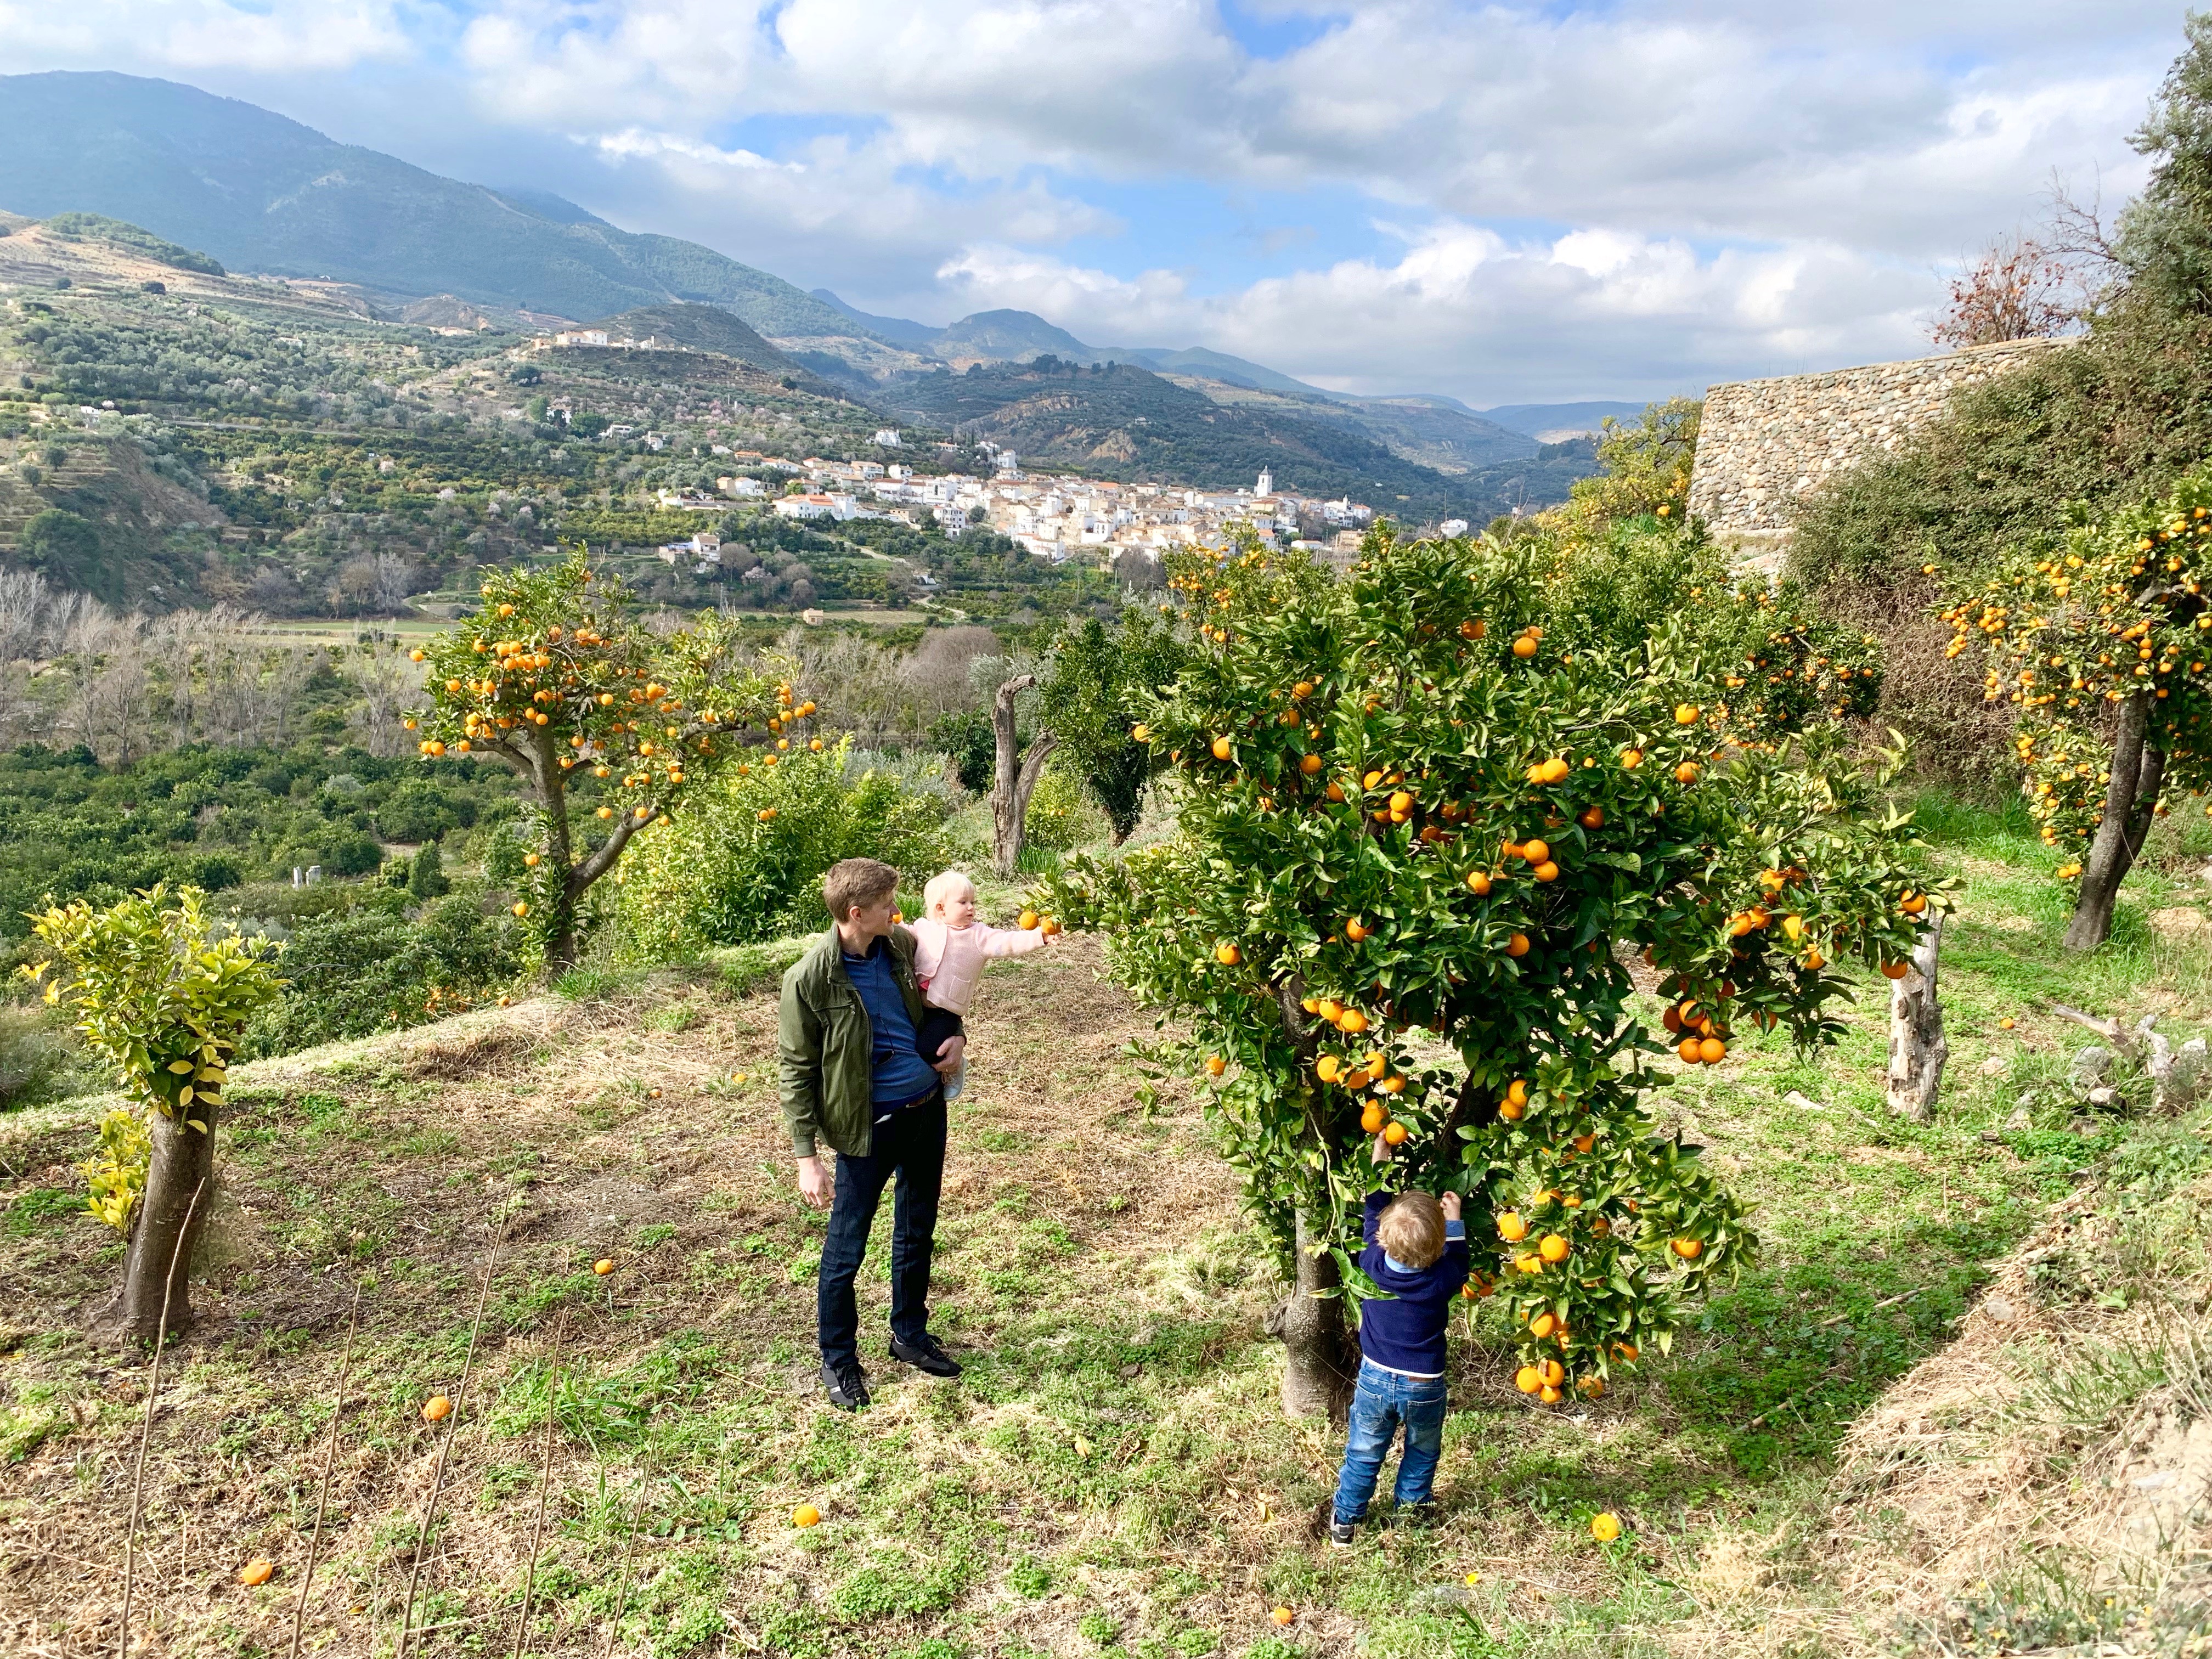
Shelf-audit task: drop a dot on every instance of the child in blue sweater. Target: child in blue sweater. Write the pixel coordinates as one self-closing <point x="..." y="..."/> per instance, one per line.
<point x="1417" y="1251"/>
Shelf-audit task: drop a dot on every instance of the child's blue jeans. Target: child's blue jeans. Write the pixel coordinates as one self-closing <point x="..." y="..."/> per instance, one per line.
<point x="1382" y="1401"/>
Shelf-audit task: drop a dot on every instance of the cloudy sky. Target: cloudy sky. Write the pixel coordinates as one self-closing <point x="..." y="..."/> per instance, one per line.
<point x="1513" y="201"/>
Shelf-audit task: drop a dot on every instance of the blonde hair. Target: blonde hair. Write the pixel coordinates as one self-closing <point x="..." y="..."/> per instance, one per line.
<point x="946" y="884"/>
<point x="1412" y="1231"/>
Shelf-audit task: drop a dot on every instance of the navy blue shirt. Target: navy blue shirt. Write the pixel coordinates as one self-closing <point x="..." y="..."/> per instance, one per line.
<point x="898" y="1075"/>
<point x="1407" y="1333"/>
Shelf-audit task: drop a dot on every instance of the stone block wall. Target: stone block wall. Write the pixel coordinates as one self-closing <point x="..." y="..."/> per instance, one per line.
<point x="1764" y="443"/>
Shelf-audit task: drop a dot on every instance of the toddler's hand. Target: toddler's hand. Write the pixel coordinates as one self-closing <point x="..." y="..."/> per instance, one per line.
<point x="1450" y="1202"/>
<point x="1382" y="1154"/>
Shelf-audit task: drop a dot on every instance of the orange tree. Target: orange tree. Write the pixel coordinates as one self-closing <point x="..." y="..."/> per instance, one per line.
<point x="557" y="678"/>
<point x="2102" y="639"/>
<point x="1429" y="817"/>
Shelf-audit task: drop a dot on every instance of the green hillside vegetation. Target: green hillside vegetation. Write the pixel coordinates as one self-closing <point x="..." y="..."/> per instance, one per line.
<point x="76" y="226"/>
<point x="1417" y="429"/>
<point x="276" y="452"/>
<point x="1119" y="421"/>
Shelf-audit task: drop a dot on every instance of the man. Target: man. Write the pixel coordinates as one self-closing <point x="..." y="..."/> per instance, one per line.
<point x="855" y="1081"/>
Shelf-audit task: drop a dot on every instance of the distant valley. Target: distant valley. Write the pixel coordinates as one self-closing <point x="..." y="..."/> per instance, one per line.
<point x="386" y="240"/>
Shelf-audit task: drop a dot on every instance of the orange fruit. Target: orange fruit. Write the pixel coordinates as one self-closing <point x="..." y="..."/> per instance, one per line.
<point x="1686" y="713"/>
<point x="1549" y="1395"/>
<point x="258" y="1571"/>
<point x="1689" y="1051"/>
<point x="1895" y="970"/>
<point x="1546" y="871"/>
<point x="1632" y="758"/>
<point x="1686" y="772"/>
<point x="1536" y="852"/>
<point x="1516" y="1093"/>
<point x="2004" y="1024"/>
<point x="1282" y="1615"/>
<point x="1393" y="1133"/>
<point x="1553" y="1250"/>
<point x="1592" y="817"/>
<point x="1524" y="646"/>
<point x="1050" y="927"/>
<point x="1352" y="1021"/>
<point x="1517" y="945"/>
<point x="1688" y="1248"/>
<point x="1542" y="1326"/>
<point x="1356" y="1080"/>
<point x="1228" y="955"/>
<point x="1605" y="1527"/>
<point x="1329" y="1068"/>
<point x="1371" y="1119"/>
<point x="1309" y="764"/>
<point x="437" y="1408"/>
<point x="1215" y="1065"/>
<point x="807" y="1516"/>
<point x="1221" y="749"/>
<point x="1712" y="1051"/>
<point x="1029" y="920"/>
<point x="1671" y="1019"/>
<point x="1478" y="882"/>
<point x="1583" y="1143"/>
<point x="1511" y="1113"/>
<point x="1512" y="1228"/>
<point x="1554" y="1373"/>
<point x="1528" y="1379"/>
<point x="603" y="1266"/>
<point x="1356" y="930"/>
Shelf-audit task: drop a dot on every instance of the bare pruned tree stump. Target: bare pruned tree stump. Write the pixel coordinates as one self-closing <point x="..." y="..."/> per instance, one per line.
<point x="1917" y="1051"/>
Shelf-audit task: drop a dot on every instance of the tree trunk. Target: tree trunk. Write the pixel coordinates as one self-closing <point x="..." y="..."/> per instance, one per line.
<point x="1917" y="1051"/>
<point x="2138" y="769"/>
<point x="1014" y="776"/>
<point x="172" y="1216"/>
<point x="1315" y="1375"/>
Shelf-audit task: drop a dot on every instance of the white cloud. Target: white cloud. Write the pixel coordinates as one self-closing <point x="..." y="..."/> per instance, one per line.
<point x="186" y="35"/>
<point x="1565" y="196"/>
<point x="1466" y="311"/>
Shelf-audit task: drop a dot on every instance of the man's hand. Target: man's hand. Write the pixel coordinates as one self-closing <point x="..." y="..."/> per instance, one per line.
<point x="1450" y="1201"/>
<point x="814" y="1183"/>
<point x="949" y="1053"/>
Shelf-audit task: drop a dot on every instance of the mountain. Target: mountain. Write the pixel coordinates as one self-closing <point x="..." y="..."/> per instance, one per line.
<point x="1120" y="421"/>
<point x="260" y="192"/>
<point x="897" y="330"/>
<point x="1550" y="422"/>
<point x="702" y="328"/>
<point x="1007" y="337"/>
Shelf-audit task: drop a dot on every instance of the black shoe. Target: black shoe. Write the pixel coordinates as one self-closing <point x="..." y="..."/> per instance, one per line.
<point x="848" y="1385"/>
<point x="925" y="1353"/>
<point x="1342" y="1534"/>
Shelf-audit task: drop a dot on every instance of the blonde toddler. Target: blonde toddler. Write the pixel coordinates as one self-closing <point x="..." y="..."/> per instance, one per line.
<point x="951" y="949"/>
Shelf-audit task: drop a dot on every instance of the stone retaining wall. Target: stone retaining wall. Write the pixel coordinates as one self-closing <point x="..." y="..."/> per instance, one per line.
<point x="1763" y="443"/>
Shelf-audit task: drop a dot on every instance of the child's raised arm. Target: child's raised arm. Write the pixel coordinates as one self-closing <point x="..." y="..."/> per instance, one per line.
<point x="1006" y="941"/>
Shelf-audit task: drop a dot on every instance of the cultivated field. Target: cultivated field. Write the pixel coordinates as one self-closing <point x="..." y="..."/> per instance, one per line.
<point x="1934" y="1418"/>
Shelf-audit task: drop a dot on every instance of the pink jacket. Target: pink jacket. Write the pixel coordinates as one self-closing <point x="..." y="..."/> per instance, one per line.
<point x="949" y="960"/>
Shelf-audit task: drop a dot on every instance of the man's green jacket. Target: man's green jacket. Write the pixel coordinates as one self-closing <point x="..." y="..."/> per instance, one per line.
<point x="825" y="1046"/>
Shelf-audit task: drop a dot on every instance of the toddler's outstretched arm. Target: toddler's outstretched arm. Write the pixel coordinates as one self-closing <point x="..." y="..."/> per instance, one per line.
<point x="1006" y="941"/>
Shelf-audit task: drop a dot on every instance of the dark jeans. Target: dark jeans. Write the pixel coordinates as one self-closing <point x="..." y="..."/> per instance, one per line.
<point x="910" y="1145"/>
<point x="1382" y="1400"/>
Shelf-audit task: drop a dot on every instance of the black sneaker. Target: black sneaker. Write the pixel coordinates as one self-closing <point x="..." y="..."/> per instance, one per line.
<point x="925" y="1353"/>
<point x="848" y="1385"/>
<point x="1342" y="1534"/>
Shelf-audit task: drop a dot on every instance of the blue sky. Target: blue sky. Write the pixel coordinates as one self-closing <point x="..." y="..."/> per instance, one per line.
<point x="1507" y="203"/>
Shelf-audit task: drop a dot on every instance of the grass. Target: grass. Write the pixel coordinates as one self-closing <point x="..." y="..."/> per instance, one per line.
<point x="1113" y="1474"/>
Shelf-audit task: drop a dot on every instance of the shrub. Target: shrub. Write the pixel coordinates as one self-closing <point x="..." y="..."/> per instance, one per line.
<point x="37" y="1063"/>
<point x="746" y="862"/>
<point x="1061" y="815"/>
<point x="365" y="971"/>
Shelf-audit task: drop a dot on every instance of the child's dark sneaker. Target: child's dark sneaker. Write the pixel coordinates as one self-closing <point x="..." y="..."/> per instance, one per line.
<point x="1342" y="1534"/>
<point x="846" y="1384"/>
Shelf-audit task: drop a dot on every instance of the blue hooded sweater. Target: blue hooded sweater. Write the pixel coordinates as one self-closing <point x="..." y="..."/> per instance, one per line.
<point x="1407" y="1332"/>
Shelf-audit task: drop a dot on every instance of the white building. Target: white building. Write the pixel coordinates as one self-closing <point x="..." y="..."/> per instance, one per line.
<point x="1452" y="527"/>
<point x="887" y="436"/>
